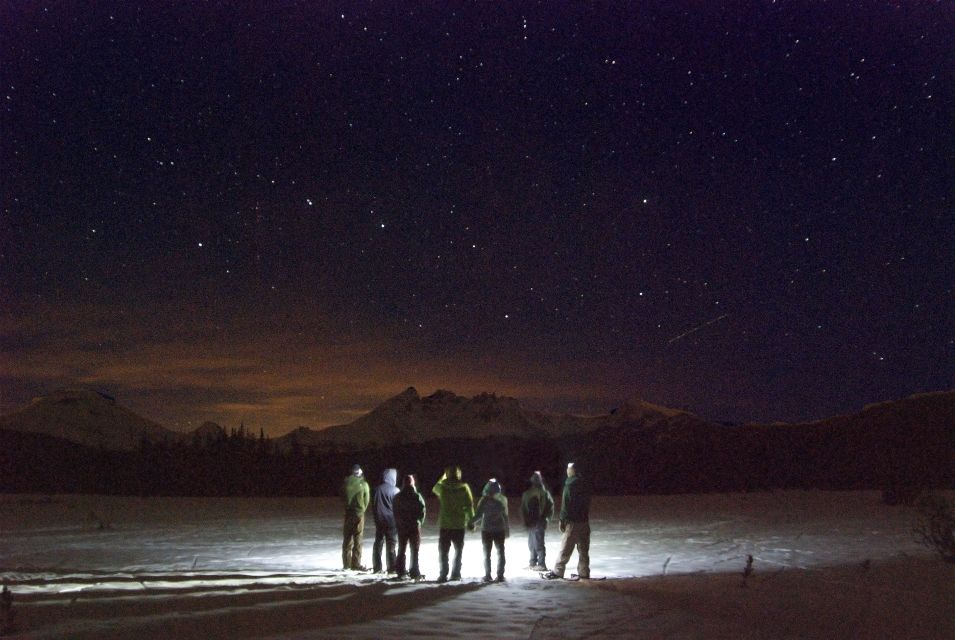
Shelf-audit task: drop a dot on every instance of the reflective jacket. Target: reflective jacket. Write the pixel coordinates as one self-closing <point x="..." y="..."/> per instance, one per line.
<point x="457" y="503"/>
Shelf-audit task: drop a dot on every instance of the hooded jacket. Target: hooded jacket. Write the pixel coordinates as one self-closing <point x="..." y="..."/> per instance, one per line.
<point x="537" y="505"/>
<point x="491" y="510"/>
<point x="457" y="502"/>
<point x="384" y="498"/>
<point x="409" y="509"/>
<point x="356" y="494"/>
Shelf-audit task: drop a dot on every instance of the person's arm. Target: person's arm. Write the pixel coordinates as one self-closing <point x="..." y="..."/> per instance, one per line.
<point x="470" y="505"/>
<point x="365" y="495"/>
<point x="564" y="500"/>
<point x="423" y="512"/>
<point x="439" y="485"/>
<point x="476" y="514"/>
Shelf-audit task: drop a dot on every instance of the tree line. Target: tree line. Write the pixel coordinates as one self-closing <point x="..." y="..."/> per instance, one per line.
<point x="617" y="460"/>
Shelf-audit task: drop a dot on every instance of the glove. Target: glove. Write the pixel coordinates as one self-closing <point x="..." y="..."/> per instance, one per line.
<point x="470" y="527"/>
<point x="562" y="526"/>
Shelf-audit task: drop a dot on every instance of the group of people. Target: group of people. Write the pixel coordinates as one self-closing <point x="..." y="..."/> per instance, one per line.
<point x="399" y="515"/>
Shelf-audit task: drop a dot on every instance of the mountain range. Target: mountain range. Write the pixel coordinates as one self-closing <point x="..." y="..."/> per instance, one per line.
<point x="77" y="440"/>
<point x="94" y="419"/>
<point x="409" y="418"/>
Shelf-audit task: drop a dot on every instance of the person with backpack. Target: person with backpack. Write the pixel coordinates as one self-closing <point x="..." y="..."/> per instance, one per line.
<point x="409" y="508"/>
<point x="491" y="511"/>
<point x="537" y="506"/>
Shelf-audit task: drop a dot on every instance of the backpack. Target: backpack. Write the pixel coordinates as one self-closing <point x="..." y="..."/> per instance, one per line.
<point x="494" y="518"/>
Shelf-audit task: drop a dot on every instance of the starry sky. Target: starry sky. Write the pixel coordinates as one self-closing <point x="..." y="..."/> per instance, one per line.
<point x="283" y="213"/>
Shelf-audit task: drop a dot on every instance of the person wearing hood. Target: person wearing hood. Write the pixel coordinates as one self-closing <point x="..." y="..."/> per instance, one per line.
<point x="386" y="532"/>
<point x="356" y="494"/>
<point x="537" y="506"/>
<point x="574" y="524"/>
<point x="491" y="511"/>
<point x="410" y="511"/>
<point x="457" y="508"/>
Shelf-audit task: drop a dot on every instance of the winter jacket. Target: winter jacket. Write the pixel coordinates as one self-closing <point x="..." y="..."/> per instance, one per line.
<point x="384" y="497"/>
<point x="409" y="509"/>
<point x="457" y="503"/>
<point x="537" y="505"/>
<point x="492" y="512"/>
<point x="356" y="493"/>
<point x="575" y="501"/>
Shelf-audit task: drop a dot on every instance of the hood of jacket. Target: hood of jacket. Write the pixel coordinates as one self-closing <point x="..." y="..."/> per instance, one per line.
<point x="390" y="476"/>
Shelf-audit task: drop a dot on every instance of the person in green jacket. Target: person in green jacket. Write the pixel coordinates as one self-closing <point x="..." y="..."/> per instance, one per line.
<point x="574" y="524"/>
<point x="410" y="510"/>
<point x="537" y="506"/>
<point x="457" y="508"/>
<point x="357" y="495"/>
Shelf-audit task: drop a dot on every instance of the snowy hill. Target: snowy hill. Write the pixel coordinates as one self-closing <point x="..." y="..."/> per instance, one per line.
<point x="85" y="417"/>
<point x="410" y="418"/>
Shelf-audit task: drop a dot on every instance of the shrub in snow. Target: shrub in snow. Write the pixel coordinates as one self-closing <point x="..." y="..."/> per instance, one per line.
<point x="936" y="525"/>
<point x="900" y="493"/>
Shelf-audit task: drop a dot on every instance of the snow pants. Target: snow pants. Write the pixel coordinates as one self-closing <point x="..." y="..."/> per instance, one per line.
<point x="353" y="531"/>
<point x="535" y="544"/>
<point x="384" y="537"/>
<point x="447" y="537"/>
<point x="576" y="534"/>
<point x="495" y="538"/>
<point x="411" y="541"/>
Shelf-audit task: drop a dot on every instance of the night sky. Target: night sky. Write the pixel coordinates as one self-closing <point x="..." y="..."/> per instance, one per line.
<point x="282" y="213"/>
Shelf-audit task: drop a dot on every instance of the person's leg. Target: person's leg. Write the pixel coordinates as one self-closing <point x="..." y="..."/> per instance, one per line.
<point x="356" y="542"/>
<point x="348" y="534"/>
<point x="400" y="557"/>
<point x="458" y="540"/>
<point x="567" y="542"/>
<point x="532" y="546"/>
<point x="391" y="539"/>
<point x="539" y="531"/>
<point x="414" y="540"/>
<point x="376" y="549"/>
<point x="444" y="545"/>
<point x="486" y="541"/>
<point x="499" y="542"/>
<point x="583" y="550"/>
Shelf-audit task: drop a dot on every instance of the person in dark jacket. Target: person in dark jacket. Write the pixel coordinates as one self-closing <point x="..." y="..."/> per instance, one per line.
<point x="356" y="493"/>
<point x="537" y="506"/>
<point x="491" y="511"/>
<point x="386" y="533"/>
<point x="457" y="507"/>
<point x="574" y="524"/>
<point x="410" y="511"/>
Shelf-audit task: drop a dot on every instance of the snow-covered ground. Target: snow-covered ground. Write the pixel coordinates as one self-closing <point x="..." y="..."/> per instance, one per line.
<point x="825" y="564"/>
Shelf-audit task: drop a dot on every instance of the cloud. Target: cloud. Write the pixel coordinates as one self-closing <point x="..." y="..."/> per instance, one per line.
<point x="279" y="373"/>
